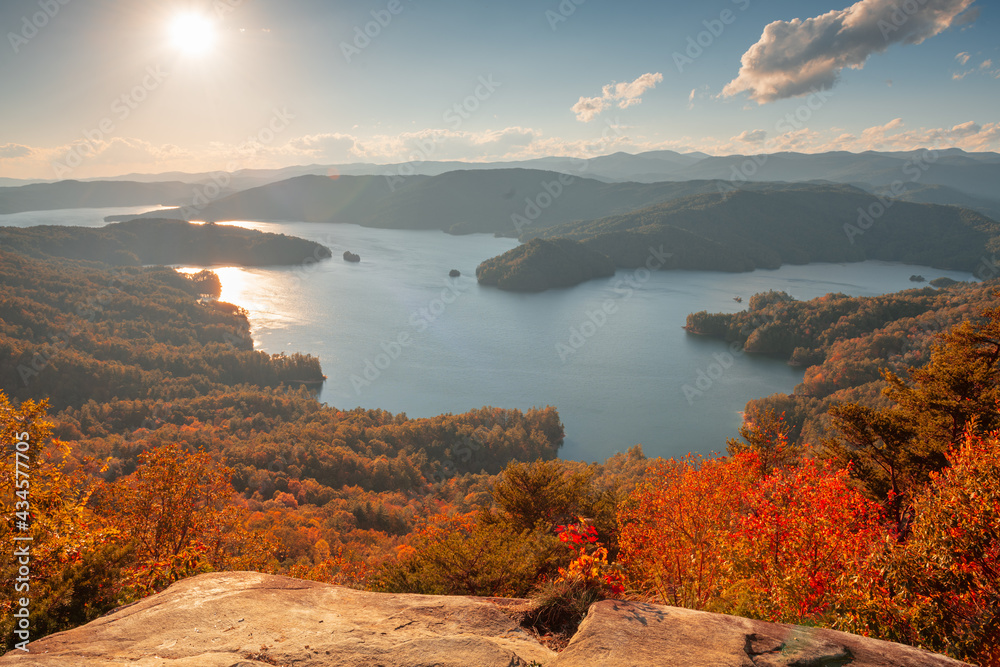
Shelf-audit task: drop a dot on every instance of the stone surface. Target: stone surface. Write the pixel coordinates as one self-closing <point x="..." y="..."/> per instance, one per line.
<point x="246" y="619"/>
<point x="620" y="634"/>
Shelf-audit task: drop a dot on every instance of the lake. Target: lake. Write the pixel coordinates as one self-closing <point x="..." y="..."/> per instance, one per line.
<point x="395" y="332"/>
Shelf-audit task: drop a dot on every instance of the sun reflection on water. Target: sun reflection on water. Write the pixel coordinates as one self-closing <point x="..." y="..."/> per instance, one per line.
<point x="236" y="285"/>
<point x="262" y="293"/>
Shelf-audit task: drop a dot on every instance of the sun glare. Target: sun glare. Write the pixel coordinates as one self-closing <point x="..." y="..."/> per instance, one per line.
<point x="192" y="34"/>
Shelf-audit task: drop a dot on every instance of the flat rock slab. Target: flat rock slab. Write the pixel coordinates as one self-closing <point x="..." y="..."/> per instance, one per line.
<point x="244" y="619"/>
<point x="247" y="619"/>
<point x="625" y="634"/>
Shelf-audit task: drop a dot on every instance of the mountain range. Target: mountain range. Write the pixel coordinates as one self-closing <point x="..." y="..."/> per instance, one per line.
<point x="498" y="201"/>
<point x="731" y="213"/>
<point x="94" y="194"/>
<point x="972" y="173"/>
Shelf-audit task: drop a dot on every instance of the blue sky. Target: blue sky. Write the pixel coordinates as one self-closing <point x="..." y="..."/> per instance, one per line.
<point x="102" y="87"/>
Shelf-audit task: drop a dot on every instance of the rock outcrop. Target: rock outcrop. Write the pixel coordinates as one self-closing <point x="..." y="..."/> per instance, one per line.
<point x="247" y="619"/>
<point x="625" y="634"/>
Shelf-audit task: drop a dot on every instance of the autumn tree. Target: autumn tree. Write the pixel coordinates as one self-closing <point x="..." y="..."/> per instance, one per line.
<point x="765" y="433"/>
<point x="464" y="555"/>
<point x="672" y="530"/>
<point x="946" y="576"/>
<point x="541" y="494"/>
<point x="802" y="547"/>
<point x="894" y="451"/>
<point x="178" y="512"/>
<point x="721" y="534"/>
<point x="72" y="559"/>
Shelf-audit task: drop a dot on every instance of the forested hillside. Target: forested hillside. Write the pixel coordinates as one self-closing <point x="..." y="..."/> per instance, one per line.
<point x="844" y="342"/>
<point x="744" y="229"/>
<point x="158" y="241"/>
<point x="73" y="333"/>
<point x="509" y="202"/>
<point x="78" y="194"/>
<point x="541" y="264"/>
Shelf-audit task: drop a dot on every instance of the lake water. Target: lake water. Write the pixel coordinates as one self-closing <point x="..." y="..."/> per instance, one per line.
<point x="395" y="332"/>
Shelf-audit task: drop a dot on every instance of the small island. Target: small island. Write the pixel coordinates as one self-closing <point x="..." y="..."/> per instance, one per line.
<point x="351" y="257"/>
<point x="917" y="279"/>
<point x="541" y="264"/>
<point x="454" y="273"/>
<point x="943" y="281"/>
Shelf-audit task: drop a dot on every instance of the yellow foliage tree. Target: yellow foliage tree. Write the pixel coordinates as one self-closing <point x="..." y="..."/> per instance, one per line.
<point x="61" y="560"/>
<point x="182" y="518"/>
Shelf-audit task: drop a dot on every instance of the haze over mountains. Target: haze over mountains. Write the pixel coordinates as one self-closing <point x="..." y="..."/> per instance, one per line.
<point x="95" y="194"/>
<point x="973" y="174"/>
<point x="732" y="213"/>
<point x="499" y="201"/>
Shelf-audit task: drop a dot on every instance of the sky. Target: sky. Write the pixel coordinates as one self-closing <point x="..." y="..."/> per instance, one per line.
<point x="109" y="87"/>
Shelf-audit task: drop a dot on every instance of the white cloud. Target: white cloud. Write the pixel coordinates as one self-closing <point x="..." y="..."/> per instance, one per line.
<point x="625" y="94"/>
<point x="588" y="108"/>
<point x="967" y="129"/>
<point x="327" y="146"/>
<point x="890" y="136"/>
<point x="985" y="67"/>
<point x="124" y="155"/>
<point x="9" y="151"/>
<point x="439" y="144"/>
<point x="894" y="136"/>
<point x="796" y="57"/>
<point x="628" y="94"/>
<point x="751" y="136"/>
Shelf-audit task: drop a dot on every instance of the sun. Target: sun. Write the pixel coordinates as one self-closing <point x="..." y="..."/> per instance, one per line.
<point x="192" y="34"/>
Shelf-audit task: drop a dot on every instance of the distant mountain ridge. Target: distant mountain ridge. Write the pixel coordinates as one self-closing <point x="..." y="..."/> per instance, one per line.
<point x="973" y="173"/>
<point x="958" y="175"/>
<point x="508" y="202"/>
<point x="96" y="194"/>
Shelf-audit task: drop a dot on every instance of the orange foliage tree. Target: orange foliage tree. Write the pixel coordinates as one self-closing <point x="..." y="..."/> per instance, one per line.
<point x="945" y="577"/>
<point x="66" y="568"/>
<point x="720" y="534"/>
<point x="179" y="512"/>
<point x="673" y="528"/>
<point x="590" y="566"/>
<point x="802" y="546"/>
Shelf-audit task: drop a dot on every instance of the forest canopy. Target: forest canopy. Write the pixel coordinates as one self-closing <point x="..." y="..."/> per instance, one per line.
<point x="160" y="241"/>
